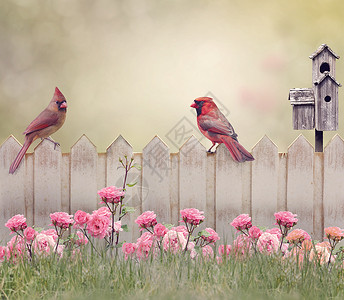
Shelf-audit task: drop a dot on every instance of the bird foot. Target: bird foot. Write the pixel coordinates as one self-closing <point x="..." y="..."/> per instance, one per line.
<point x="55" y="143"/>
<point x="209" y="151"/>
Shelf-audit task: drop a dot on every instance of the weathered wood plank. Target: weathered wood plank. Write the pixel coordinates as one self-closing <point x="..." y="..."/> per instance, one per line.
<point x="282" y="182"/>
<point x="155" y="171"/>
<point x="300" y="182"/>
<point x="174" y="188"/>
<point x="229" y="193"/>
<point x="115" y="174"/>
<point x="12" y="196"/>
<point x="318" y="211"/>
<point x="192" y="175"/>
<point x="210" y="210"/>
<point x="333" y="183"/>
<point x="47" y="182"/>
<point x="264" y="182"/>
<point x="83" y="172"/>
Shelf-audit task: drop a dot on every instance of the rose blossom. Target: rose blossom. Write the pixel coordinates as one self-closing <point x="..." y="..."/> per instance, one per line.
<point x="268" y="242"/>
<point x="98" y="224"/>
<point x="174" y="241"/>
<point x="15" y="248"/>
<point x="285" y="218"/>
<point x="17" y="222"/>
<point x="160" y="230"/>
<point x="242" y="244"/>
<point x="117" y="227"/>
<point x="334" y="233"/>
<point x="80" y="219"/>
<point x="30" y="234"/>
<point x="182" y="229"/>
<point x="82" y="239"/>
<point x="297" y="236"/>
<point x="207" y="252"/>
<point x="129" y="249"/>
<point x="192" y="216"/>
<point x="61" y="219"/>
<point x="254" y="233"/>
<point x="50" y="232"/>
<point x="213" y="236"/>
<point x="146" y="219"/>
<point x="111" y="194"/>
<point x="242" y="222"/>
<point x="275" y="231"/>
<point x="222" y="249"/>
<point x="43" y="244"/>
<point x="2" y="253"/>
<point x="144" y="245"/>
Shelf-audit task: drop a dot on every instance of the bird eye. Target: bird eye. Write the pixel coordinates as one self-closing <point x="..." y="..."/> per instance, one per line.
<point x="57" y="102"/>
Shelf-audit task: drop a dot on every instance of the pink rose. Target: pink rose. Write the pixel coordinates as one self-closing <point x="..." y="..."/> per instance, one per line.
<point x="129" y="249"/>
<point x="213" y="236"/>
<point x="268" y="243"/>
<point x="286" y="219"/>
<point x="2" y="253"/>
<point x="146" y="220"/>
<point x="80" y="219"/>
<point x="43" y="244"/>
<point x="207" y="252"/>
<point x="242" y="222"/>
<point x="15" y="248"/>
<point x="144" y="245"/>
<point x="174" y="241"/>
<point x="182" y="229"/>
<point x="242" y="244"/>
<point x="334" y="233"/>
<point x="192" y="216"/>
<point x="111" y="194"/>
<point x="276" y="231"/>
<point x="117" y="227"/>
<point x="222" y="250"/>
<point x="98" y="224"/>
<point x="254" y="233"/>
<point x="82" y="239"/>
<point x="30" y="234"/>
<point x="103" y="211"/>
<point x="17" y="222"/>
<point x="50" y="232"/>
<point x="160" y="230"/>
<point x="61" y="219"/>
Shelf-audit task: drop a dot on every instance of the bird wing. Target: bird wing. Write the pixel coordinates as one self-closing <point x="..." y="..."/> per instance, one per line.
<point x="45" y="119"/>
<point x="218" y="124"/>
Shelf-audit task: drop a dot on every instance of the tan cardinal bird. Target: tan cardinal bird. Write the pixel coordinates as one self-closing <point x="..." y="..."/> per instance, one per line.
<point x="214" y="125"/>
<point x="48" y="121"/>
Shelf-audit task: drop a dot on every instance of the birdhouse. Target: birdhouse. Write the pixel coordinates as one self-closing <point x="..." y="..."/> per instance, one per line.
<point x="317" y="107"/>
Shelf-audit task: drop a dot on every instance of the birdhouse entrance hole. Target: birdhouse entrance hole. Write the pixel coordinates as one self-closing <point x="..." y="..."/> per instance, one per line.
<point x="325" y="67"/>
<point x="327" y="98"/>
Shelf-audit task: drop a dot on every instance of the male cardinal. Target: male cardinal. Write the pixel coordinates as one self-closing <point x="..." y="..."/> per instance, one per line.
<point x="48" y="121"/>
<point x="214" y="126"/>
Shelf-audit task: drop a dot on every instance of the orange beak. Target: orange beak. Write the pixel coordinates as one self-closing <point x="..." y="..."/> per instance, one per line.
<point x="194" y="105"/>
<point x="63" y="105"/>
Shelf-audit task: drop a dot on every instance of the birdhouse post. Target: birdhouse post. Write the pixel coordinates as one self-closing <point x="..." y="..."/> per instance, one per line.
<point x="317" y="107"/>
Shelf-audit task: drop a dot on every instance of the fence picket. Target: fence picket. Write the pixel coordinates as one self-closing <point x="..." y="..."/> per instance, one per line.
<point x="300" y="182"/>
<point x="264" y="182"/>
<point x="333" y="183"/>
<point x="155" y="172"/>
<point x="47" y="182"/>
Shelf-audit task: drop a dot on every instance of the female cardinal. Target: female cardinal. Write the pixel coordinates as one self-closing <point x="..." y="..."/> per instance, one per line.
<point x="47" y="122"/>
<point x="214" y="125"/>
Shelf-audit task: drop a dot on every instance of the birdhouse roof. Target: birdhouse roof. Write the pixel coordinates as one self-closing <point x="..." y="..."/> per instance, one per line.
<point x="321" y="49"/>
<point x="327" y="75"/>
<point x="299" y="96"/>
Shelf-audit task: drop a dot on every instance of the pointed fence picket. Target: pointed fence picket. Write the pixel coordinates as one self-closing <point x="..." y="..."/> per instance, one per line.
<point x="302" y="181"/>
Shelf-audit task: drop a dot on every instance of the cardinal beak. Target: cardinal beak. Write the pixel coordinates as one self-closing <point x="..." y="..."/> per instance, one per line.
<point x="63" y="105"/>
<point x="194" y="105"/>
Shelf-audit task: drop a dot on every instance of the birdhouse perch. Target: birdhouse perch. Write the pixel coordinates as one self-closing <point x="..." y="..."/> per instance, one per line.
<point x="317" y="107"/>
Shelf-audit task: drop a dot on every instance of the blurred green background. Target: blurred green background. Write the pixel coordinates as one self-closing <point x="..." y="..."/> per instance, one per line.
<point x="134" y="67"/>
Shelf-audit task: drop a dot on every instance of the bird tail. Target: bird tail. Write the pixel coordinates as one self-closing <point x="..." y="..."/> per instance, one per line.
<point x="20" y="156"/>
<point x="238" y="152"/>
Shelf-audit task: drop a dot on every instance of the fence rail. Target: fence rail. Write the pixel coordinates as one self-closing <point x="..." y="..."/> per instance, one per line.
<point x="307" y="183"/>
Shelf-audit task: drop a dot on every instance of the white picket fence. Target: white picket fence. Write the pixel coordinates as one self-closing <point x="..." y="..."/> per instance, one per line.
<point x="307" y="183"/>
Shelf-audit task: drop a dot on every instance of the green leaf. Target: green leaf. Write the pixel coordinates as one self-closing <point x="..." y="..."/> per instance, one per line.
<point x="119" y="245"/>
<point x="204" y="233"/>
<point x="136" y="166"/>
<point x="131" y="184"/>
<point x="125" y="228"/>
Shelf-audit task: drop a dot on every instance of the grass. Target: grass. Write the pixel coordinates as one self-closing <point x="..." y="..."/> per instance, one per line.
<point x="169" y="277"/>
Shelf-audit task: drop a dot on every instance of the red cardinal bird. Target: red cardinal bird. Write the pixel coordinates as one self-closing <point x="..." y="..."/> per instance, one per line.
<point x="48" y="121"/>
<point x="214" y="125"/>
